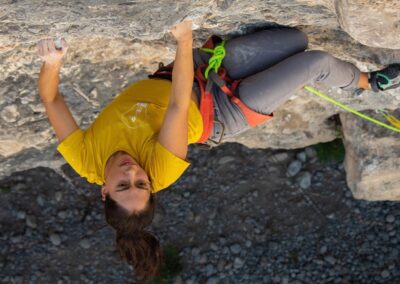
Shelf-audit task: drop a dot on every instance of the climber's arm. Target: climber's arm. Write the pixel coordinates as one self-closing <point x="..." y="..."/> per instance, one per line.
<point x="59" y="115"/>
<point x="174" y="130"/>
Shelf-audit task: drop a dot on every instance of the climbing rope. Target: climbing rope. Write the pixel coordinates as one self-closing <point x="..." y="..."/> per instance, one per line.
<point x="390" y="118"/>
<point x="218" y="54"/>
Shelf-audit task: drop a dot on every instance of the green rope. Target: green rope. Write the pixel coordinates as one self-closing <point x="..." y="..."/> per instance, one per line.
<point x="349" y="109"/>
<point x="218" y="54"/>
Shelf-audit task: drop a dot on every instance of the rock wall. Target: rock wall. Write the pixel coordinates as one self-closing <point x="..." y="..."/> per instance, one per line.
<point x="372" y="160"/>
<point x="371" y="22"/>
<point x="113" y="43"/>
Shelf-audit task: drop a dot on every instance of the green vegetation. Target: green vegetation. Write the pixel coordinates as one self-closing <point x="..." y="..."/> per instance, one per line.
<point x="172" y="265"/>
<point x="331" y="151"/>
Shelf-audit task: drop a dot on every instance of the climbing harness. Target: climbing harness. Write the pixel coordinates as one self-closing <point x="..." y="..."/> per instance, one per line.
<point x="390" y="118"/>
<point x="208" y="76"/>
<point x="211" y="74"/>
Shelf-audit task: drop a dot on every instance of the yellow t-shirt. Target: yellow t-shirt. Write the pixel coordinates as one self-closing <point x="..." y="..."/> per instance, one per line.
<point x="131" y="123"/>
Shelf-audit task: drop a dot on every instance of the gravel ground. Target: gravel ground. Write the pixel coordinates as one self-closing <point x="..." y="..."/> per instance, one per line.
<point x="238" y="215"/>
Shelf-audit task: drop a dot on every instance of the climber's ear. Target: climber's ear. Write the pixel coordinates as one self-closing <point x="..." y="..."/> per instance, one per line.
<point x="104" y="192"/>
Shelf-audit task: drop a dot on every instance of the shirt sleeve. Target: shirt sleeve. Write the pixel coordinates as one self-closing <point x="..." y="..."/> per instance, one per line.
<point x="165" y="167"/>
<point x="71" y="149"/>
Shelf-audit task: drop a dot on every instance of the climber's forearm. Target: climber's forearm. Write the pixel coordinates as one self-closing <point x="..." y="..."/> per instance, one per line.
<point x="59" y="115"/>
<point x="174" y="129"/>
<point x="182" y="75"/>
<point x="48" y="81"/>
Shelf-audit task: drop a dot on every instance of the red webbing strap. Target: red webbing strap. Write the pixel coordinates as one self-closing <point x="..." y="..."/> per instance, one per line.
<point x="220" y="82"/>
<point x="253" y="118"/>
<point x="206" y="97"/>
<point x="206" y="104"/>
<point x="223" y="75"/>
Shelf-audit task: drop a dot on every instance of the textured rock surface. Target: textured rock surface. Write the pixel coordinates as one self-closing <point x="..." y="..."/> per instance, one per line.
<point x="372" y="160"/>
<point x="371" y="22"/>
<point x="113" y="43"/>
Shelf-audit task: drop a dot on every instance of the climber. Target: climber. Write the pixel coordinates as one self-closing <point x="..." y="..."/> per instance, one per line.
<point x="138" y="144"/>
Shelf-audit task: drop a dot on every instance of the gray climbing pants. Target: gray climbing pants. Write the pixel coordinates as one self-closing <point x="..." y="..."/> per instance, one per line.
<point x="273" y="65"/>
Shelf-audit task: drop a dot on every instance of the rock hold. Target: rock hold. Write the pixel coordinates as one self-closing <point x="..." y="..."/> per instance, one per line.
<point x="10" y="113"/>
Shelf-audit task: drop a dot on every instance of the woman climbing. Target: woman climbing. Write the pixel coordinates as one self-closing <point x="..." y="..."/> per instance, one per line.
<point x="138" y="144"/>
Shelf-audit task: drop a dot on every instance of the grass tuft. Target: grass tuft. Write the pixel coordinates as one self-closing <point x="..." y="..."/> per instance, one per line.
<point x="171" y="267"/>
<point x="331" y="151"/>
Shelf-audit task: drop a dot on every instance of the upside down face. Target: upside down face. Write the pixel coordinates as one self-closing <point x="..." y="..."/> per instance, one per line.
<point x="126" y="182"/>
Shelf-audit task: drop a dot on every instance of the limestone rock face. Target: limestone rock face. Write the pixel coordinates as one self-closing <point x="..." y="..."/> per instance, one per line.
<point x="114" y="43"/>
<point x="371" y="22"/>
<point x="372" y="160"/>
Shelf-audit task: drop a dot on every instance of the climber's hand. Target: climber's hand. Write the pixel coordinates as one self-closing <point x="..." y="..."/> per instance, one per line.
<point x="57" y="110"/>
<point x="182" y="31"/>
<point x="48" y="52"/>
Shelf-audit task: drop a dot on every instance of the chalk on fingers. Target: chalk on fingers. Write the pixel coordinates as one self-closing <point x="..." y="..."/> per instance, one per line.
<point x="58" y="43"/>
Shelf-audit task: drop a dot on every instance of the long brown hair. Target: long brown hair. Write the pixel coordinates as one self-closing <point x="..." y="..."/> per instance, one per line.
<point x="134" y="242"/>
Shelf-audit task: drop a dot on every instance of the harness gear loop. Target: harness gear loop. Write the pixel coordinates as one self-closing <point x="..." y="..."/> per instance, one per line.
<point x="215" y="61"/>
<point x="349" y="109"/>
<point x="206" y="103"/>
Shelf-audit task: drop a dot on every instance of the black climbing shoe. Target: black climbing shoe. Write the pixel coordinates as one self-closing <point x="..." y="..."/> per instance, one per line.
<point x="388" y="78"/>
